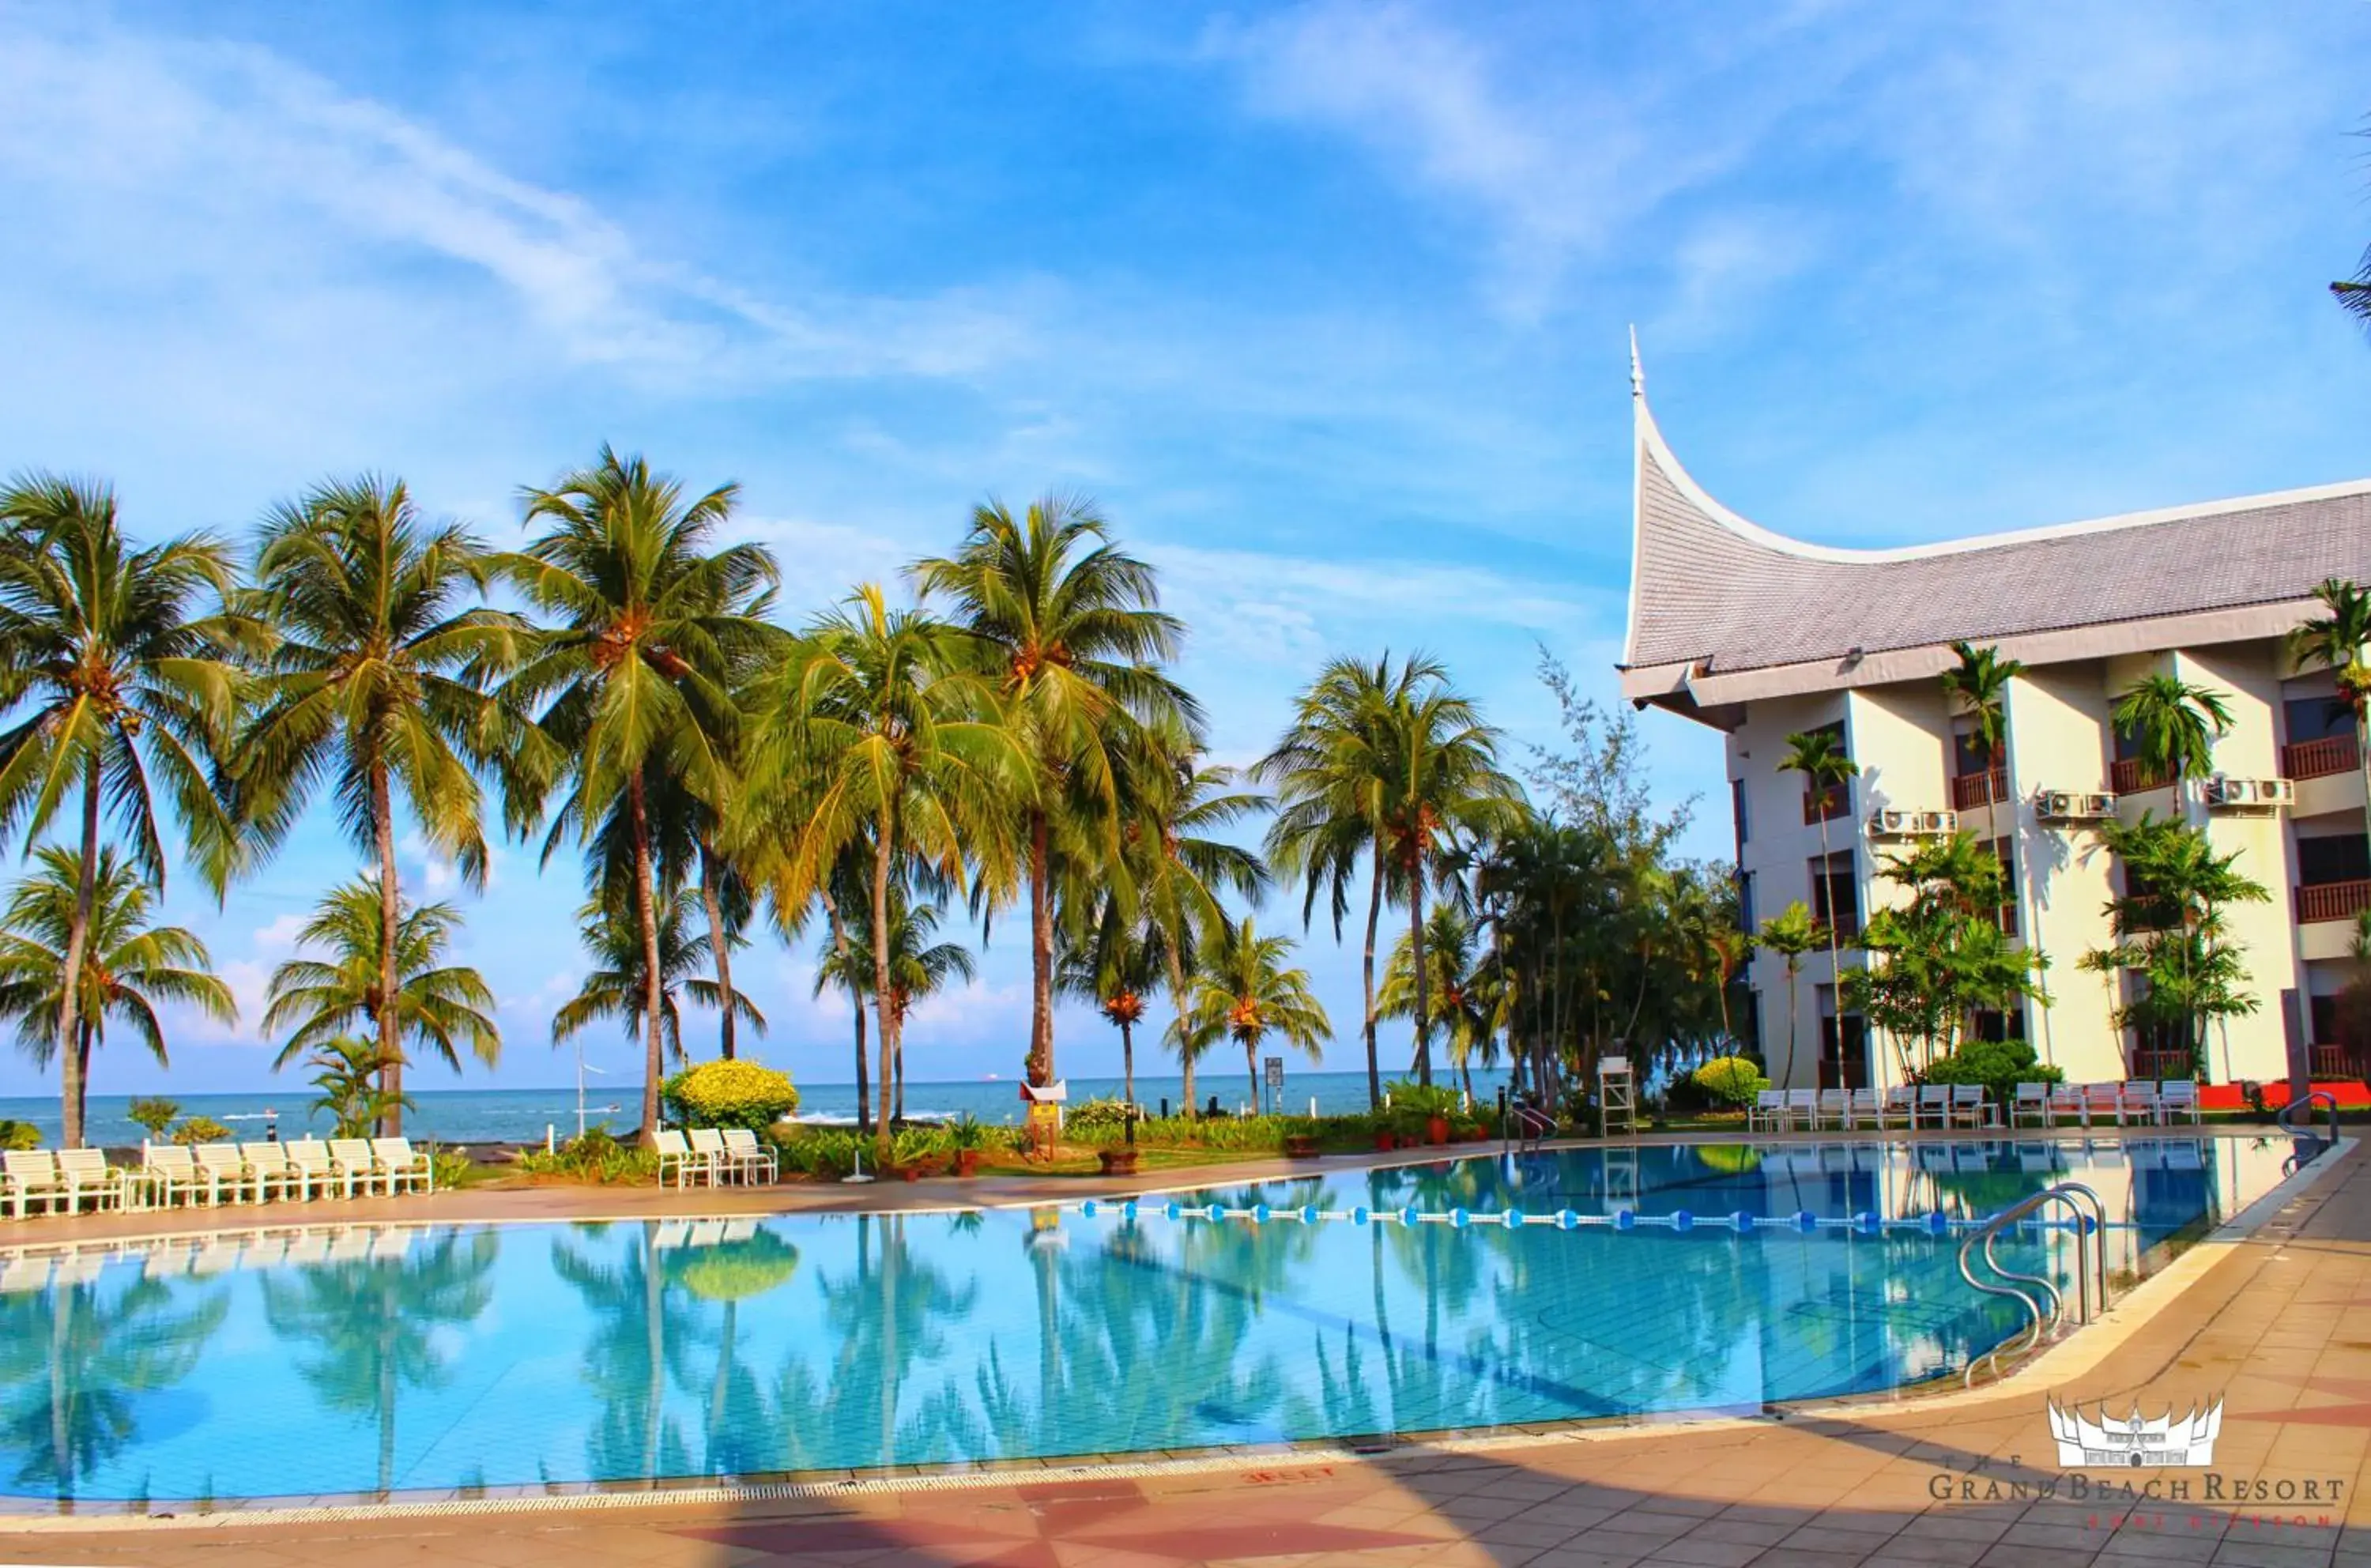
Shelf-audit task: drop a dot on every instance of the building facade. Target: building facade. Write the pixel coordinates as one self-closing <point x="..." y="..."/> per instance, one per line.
<point x="1762" y="637"/>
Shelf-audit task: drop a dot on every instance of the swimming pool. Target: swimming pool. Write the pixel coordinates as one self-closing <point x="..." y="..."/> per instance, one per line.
<point x="459" y="1357"/>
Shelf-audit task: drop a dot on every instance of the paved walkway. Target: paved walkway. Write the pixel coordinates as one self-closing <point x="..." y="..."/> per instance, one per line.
<point x="2280" y="1323"/>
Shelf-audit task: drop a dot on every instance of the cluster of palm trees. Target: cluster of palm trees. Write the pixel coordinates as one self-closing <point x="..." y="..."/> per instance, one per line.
<point x="1011" y="742"/>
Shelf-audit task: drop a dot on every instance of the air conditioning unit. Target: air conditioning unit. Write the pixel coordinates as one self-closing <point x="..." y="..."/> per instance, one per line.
<point x="2257" y="792"/>
<point x="1895" y="823"/>
<point x="2074" y="805"/>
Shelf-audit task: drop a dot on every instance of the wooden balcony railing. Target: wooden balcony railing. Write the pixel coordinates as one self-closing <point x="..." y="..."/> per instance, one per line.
<point x="2319" y="759"/>
<point x="2133" y="775"/>
<point x="1826" y="805"/>
<point x="2332" y="900"/>
<point x="1970" y="791"/>
<point x="2152" y="1063"/>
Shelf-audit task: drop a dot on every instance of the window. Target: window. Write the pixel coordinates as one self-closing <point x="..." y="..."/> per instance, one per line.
<point x="2325" y="1020"/>
<point x="2004" y="848"/>
<point x="1834" y="888"/>
<point x="1737" y="813"/>
<point x="1997" y="1026"/>
<point x="1826" y="805"/>
<point x="2343" y="858"/>
<point x="2317" y="719"/>
<point x="1745" y="902"/>
<point x="1967" y="757"/>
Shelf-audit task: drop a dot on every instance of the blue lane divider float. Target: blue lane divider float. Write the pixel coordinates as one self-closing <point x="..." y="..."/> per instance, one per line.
<point x="1623" y="1218"/>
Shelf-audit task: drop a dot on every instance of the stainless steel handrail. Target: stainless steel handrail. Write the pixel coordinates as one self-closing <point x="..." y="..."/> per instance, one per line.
<point x="2327" y="1102"/>
<point x="2091" y="1265"/>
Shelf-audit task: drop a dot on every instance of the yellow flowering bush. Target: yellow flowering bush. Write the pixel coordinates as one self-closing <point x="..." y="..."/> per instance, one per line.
<point x="729" y="1094"/>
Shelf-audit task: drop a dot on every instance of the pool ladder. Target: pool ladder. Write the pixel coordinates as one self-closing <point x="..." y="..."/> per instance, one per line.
<point x="2329" y="1102"/>
<point x="2044" y="1303"/>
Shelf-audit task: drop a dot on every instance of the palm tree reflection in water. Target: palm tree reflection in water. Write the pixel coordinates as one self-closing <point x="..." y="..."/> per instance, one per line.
<point x="74" y="1361"/>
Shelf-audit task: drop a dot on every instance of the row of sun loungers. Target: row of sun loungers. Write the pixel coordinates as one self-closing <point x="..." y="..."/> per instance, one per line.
<point x="2138" y="1102"/>
<point x="68" y="1181"/>
<point x="714" y="1156"/>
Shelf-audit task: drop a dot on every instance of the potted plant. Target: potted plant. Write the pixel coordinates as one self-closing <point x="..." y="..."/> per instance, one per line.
<point x="969" y="1140"/>
<point x="1117" y="1159"/>
<point x="1384" y="1141"/>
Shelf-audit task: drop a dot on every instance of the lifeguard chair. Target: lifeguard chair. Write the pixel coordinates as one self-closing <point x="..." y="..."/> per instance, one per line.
<point x="1617" y="1097"/>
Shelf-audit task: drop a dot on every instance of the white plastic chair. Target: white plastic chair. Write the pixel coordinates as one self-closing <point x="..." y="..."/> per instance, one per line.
<point x="1934" y="1101"/>
<point x="741" y="1145"/>
<point x="2066" y="1099"/>
<point x="27" y="1174"/>
<point x="1769" y="1111"/>
<point x="2103" y="1100"/>
<point x="1901" y="1100"/>
<point x="273" y="1173"/>
<point x="1835" y="1108"/>
<point x="1803" y="1108"/>
<point x="2033" y="1101"/>
<point x="224" y="1170"/>
<point x="317" y="1166"/>
<point x="676" y="1154"/>
<point x="403" y="1166"/>
<point x="1868" y="1108"/>
<point x="1969" y="1108"/>
<point x="2177" y="1098"/>
<point x="708" y="1142"/>
<point x="2141" y="1099"/>
<point x="361" y="1166"/>
<point x="85" y="1172"/>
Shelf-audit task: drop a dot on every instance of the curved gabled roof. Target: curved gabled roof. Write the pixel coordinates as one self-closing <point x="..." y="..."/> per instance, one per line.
<point x="1714" y="595"/>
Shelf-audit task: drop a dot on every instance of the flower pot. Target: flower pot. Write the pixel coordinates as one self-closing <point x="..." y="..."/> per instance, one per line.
<point x="1386" y="1143"/>
<point x="910" y="1172"/>
<point x="1436" y="1130"/>
<point x="1118" y="1161"/>
<point x="966" y="1162"/>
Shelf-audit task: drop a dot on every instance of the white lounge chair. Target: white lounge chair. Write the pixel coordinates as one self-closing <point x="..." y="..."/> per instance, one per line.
<point x="1803" y="1108"/>
<point x="1868" y="1108"/>
<point x="708" y="1142"/>
<point x="84" y="1172"/>
<point x="274" y="1175"/>
<point x="741" y="1147"/>
<point x="1835" y="1108"/>
<point x="1934" y="1104"/>
<point x="2066" y="1099"/>
<point x="2178" y="1098"/>
<point x="29" y="1175"/>
<point x="676" y="1154"/>
<point x="362" y="1168"/>
<point x="403" y="1166"/>
<point x="1969" y="1107"/>
<point x="1769" y="1111"/>
<point x="2140" y="1099"/>
<point x="317" y="1166"/>
<point x="2031" y="1101"/>
<point x="170" y="1172"/>
<point x="2103" y="1102"/>
<point x="1902" y="1101"/>
<point x="226" y="1170"/>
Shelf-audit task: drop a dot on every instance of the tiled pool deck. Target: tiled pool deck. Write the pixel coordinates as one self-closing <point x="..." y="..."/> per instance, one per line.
<point x="2279" y="1323"/>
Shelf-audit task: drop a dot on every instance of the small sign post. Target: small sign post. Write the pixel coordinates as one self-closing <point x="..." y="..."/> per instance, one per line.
<point x="1045" y="1117"/>
<point x="1276" y="1086"/>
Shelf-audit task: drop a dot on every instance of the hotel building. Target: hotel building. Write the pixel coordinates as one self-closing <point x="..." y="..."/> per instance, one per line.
<point x="1762" y="636"/>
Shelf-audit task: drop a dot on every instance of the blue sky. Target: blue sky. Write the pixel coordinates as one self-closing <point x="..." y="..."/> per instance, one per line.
<point x="1326" y="303"/>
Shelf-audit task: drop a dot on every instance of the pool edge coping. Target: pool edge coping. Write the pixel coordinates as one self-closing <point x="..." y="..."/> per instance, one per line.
<point x="2078" y="1352"/>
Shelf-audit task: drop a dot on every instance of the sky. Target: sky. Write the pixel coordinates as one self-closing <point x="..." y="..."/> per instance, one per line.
<point x="1326" y="305"/>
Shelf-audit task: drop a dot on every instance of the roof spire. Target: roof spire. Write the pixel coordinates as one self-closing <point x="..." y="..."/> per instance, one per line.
<point x="1637" y="373"/>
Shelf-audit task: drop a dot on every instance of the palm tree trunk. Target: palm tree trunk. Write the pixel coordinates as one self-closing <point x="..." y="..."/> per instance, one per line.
<point x="897" y="1065"/>
<point x="1416" y="947"/>
<point x="1185" y="1050"/>
<point x="1041" y="954"/>
<point x="653" y="994"/>
<point x="1251" y="1067"/>
<point x="1835" y="963"/>
<point x="1128" y="1061"/>
<point x="654" y="1352"/>
<point x="721" y="947"/>
<point x="70" y="1077"/>
<point x="886" y="1010"/>
<point x="1793" y="968"/>
<point x="390" y="902"/>
<point x="1374" y="914"/>
<point x="856" y="1001"/>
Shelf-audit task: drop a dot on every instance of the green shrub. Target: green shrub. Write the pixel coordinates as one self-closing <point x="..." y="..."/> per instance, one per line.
<point x="964" y="1133"/>
<point x="154" y="1114"/>
<point x="201" y="1129"/>
<point x="596" y="1158"/>
<point x="915" y="1144"/>
<point x="729" y="1094"/>
<point x="1730" y="1083"/>
<point x="20" y="1135"/>
<point x="1998" y="1064"/>
<point x="826" y="1152"/>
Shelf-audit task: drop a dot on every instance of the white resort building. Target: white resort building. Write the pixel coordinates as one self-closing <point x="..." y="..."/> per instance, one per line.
<point x="1762" y="637"/>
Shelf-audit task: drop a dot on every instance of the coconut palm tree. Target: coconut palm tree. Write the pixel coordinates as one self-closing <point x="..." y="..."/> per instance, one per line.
<point x="1245" y="993"/>
<point x="129" y="965"/>
<point x="1819" y="755"/>
<point x="1790" y="934"/>
<point x="117" y="687"/>
<point x="1978" y="684"/>
<point x="919" y="967"/>
<point x="438" y="1007"/>
<point x="2341" y="638"/>
<point x="1070" y="627"/>
<point x="2176" y="724"/>
<point x="1115" y="967"/>
<point x="1459" y="987"/>
<point x="650" y="628"/>
<point x="1447" y="792"/>
<point x="617" y="987"/>
<point x="1331" y="772"/>
<point x="875" y="726"/>
<point x="378" y="683"/>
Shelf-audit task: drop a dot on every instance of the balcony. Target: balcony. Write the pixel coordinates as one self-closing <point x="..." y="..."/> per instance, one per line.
<point x="2332" y="900"/>
<point x="1970" y="791"/>
<point x="1826" y="805"/>
<point x="2131" y="775"/>
<point x="2319" y="759"/>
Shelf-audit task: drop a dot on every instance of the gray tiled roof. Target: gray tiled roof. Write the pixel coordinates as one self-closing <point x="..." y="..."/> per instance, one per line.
<point x="1706" y="589"/>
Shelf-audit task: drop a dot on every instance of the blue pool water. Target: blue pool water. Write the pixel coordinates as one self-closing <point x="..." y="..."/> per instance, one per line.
<point x="501" y="1355"/>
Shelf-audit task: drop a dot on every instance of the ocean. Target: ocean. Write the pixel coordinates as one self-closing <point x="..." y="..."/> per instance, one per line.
<point x="521" y="1115"/>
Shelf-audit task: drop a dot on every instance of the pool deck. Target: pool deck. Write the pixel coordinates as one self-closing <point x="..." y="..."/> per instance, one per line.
<point x="2278" y="1322"/>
